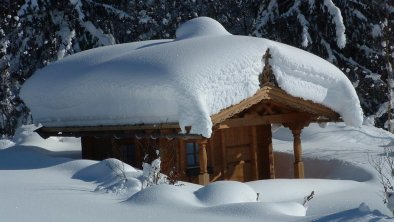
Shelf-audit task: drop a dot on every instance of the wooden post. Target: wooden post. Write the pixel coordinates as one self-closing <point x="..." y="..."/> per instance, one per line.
<point x="255" y="169"/>
<point x="270" y="151"/>
<point x="224" y="159"/>
<point x="298" y="164"/>
<point x="211" y="151"/>
<point x="203" y="178"/>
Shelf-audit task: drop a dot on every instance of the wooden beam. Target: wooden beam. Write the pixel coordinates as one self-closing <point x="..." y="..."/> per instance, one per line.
<point x="263" y="120"/>
<point x="255" y="169"/>
<point x="203" y="178"/>
<point x="270" y="153"/>
<point x="223" y="149"/>
<point x="266" y="155"/>
<point x="298" y="164"/>
<point x="268" y="108"/>
<point x="110" y="128"/>
<point x="118" y="134"/>
<point x="279" y="96"/>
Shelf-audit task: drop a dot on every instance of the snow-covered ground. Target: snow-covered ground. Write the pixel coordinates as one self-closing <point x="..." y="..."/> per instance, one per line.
<point x="44" y="180"/>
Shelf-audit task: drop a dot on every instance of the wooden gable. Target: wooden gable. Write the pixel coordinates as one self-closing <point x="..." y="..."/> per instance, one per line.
<point x="272" y="105"/>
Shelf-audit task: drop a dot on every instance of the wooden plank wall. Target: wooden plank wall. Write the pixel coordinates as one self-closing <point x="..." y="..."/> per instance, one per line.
<point x="233" y="153"/>
<point x="239" y="153"/>
<point x="96" y="148"/>
<point x="243" y="153"/>
<point x="265" y="152"/>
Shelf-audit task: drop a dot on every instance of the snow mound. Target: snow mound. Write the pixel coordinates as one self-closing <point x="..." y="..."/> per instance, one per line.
<point x="200" y="27"/>
<point x="100" y="171"/>
<point x="364" y="208"/>
<point x="5" y="143"/>
<point x="183" y="81"/>
<point x="166" y="195"/>
<point x="269" y="211"/>
<point x="225" y="192"/>
<point x="214" y="194"/>
<point x="120" y="186"/>
<point x="356" y="215"/>
<point x="287" y="208"/>
<point x="25" y="136"/>
<point x="27" y="157"/>
<point x="112" y="176"/>
<point x="321" y="168"/>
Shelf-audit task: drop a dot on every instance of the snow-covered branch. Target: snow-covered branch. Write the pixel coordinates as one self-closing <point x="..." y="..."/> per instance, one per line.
<point x="338" y="21"/>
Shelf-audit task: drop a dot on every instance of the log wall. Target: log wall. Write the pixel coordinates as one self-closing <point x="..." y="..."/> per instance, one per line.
<point x="239" y="153"/>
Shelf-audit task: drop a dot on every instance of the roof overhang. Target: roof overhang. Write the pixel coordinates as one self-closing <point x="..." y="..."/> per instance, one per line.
<point x="168" y="130"/>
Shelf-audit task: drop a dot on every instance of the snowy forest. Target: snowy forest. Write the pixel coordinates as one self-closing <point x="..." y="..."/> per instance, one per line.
<point x="355" y="35"/>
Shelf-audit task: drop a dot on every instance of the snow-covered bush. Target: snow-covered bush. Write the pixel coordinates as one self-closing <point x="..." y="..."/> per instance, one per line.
<point x="151" y="173"/>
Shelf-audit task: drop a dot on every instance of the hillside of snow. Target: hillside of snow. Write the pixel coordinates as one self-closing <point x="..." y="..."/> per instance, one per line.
<point x="44" y="180"/>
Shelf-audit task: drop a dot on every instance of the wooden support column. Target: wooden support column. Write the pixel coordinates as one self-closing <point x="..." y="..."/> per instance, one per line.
<point x="203" y="178"/>
<point x="298" y="164"/>
<point x="223" y="152"/>
<point x="270" y="153"/>
<point x="255" y="169"/>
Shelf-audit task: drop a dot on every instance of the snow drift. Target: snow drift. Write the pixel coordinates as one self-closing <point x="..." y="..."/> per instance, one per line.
<point x="185" y="80"/>
<point x="35" y="184"/>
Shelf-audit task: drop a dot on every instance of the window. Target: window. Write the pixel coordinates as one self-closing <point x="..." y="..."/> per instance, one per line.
<point x="192" y="154"/>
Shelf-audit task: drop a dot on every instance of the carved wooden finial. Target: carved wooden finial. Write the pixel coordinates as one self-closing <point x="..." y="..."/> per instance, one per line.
<point x="267" y="77"/>
<point x="267" y="56"/>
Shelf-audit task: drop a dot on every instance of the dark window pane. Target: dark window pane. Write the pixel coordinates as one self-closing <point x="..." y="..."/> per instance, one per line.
<point x="190" y="160"/>
<point x="192" y="154"/>
<point x="190" y="148"/>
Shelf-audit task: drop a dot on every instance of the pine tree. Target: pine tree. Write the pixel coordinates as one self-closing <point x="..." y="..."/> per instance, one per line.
<point x="387" y="25"/>
<point x="34" y="34"/>
<point x="346" y="33"/>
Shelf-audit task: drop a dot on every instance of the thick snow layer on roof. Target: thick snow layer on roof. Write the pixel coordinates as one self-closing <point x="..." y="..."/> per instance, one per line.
<point x="186" y="80"/>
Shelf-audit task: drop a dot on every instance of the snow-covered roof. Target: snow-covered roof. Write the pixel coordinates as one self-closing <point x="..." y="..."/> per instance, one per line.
<point x="185" y="80"/>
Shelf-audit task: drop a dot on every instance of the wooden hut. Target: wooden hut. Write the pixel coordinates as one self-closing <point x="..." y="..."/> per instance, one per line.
<point x="129" y="100"/>
<point x="240" y="147"/>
